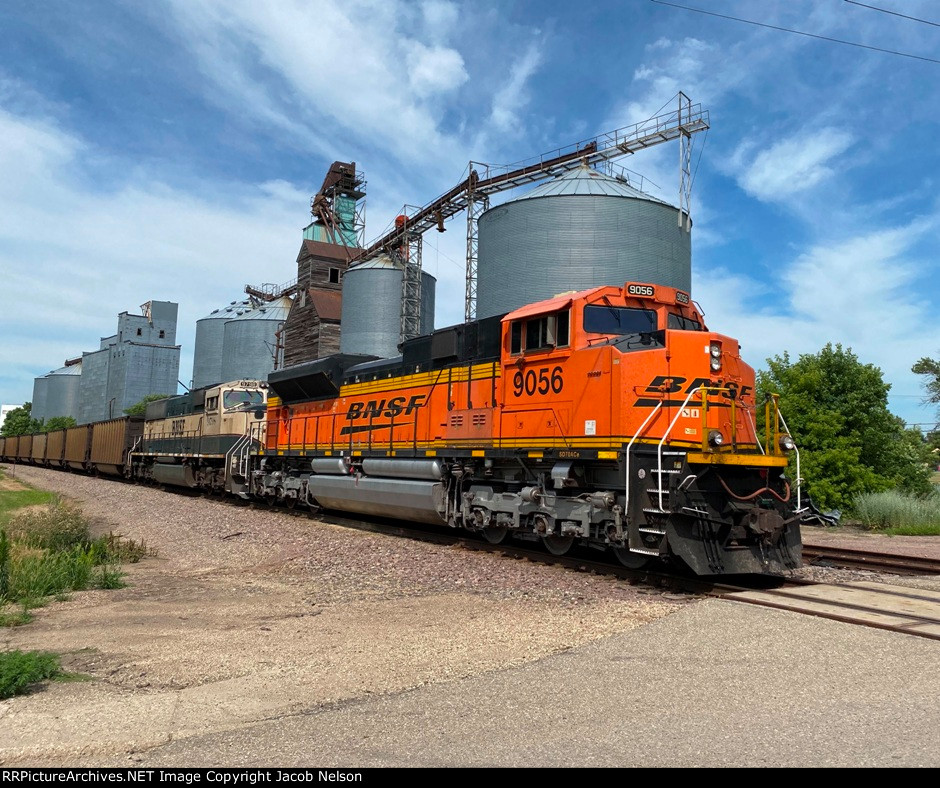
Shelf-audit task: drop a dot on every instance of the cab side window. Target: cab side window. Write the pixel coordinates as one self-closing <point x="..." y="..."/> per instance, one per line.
<point x="563" y="320"/>
<point x="212" y="403"/>
<point x="515" y="337"/>
<point x="540" y="333"/>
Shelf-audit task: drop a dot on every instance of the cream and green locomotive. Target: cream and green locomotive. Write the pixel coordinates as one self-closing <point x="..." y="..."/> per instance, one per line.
<point x="202" y="439"/>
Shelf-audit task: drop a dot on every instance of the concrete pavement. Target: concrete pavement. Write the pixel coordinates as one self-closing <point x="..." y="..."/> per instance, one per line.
<point x="716" y="684"/>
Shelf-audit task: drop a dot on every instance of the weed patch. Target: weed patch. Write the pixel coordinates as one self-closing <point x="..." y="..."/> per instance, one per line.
<point x="894" y="512"/>
<point x="48" y="553"/>
<point x="20" y="670"/>
<point x="11" y="500"/>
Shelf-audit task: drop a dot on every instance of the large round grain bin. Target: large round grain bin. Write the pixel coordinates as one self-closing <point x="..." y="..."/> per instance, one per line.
<point x="582" y="230"/>
<point x="207" y="353"/>
<point x="40" y="393"/>
<point x="249" y="340"/>
<point x="371" y="317"/>
<point x="62" y="391"/>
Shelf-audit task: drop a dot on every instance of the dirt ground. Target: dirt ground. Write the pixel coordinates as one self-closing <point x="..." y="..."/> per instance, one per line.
<point x="246" y="616"/>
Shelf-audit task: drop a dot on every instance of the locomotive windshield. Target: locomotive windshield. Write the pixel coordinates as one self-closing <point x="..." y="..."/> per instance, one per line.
<point x="618" y="320"/>
<point x="235" y="399"/>
<point x="683" y="323"/>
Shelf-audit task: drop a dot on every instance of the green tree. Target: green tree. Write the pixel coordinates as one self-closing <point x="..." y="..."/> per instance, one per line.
<point x="58" y="423"/>
<point x="850" y="443"/>
<point x="19" y="421"/>
<point x="141" y="407"/>
<point x="930" y="369"/>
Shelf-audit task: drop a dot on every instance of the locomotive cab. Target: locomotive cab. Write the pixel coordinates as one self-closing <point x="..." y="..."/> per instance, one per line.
<point x="633" y="375"/>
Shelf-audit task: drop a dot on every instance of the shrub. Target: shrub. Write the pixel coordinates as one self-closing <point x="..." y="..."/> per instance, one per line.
<point x="48" y="553"/>
<point x="56" y="527"/>
<point x="898" y="512"/>
<point x="19" y="670"/>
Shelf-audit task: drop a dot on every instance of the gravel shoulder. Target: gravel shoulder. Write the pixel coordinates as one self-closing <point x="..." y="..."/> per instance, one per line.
<point x="250" y="615"/>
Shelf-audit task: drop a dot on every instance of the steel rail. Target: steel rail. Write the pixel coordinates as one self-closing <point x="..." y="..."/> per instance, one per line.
<point x="868" y="559"/>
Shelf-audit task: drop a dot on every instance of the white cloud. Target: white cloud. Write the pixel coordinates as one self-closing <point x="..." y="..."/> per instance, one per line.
<point x="435" y="69"/>
<point x="361" y="71"/>
<point x="440" y="17"/>
<point x="72" y="257"/>
<point x="859" y="292"/>
<point x="792" y="165"/>
<point x="511" y="98"/>
<point x="704" y="72"/>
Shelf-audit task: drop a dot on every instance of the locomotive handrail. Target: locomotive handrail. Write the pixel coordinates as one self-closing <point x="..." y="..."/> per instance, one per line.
<point x="705" y="391"/>
<point x="639" y="432"/>
<point x="230" y="456"/>
<point x="666" y="434"/>
<point x="129" y="462"/>
<point x="796" y="449"/>
<point x="754" y="429"/>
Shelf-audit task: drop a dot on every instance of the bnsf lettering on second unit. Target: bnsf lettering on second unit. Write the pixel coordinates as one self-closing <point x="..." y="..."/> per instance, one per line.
<point x="396" y="406"/>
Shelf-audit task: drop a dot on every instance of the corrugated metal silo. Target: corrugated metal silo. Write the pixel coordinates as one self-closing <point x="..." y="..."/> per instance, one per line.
<point x="207" y="354"/>
<point x="581" y="230"/>
<point x="40" y="394"/>
<point x="371" y="319"/>
<point x="249" y="340"/>
<point x="62" y="391"/>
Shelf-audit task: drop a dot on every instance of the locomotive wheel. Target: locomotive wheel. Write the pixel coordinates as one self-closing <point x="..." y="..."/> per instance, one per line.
<point x="629" y="559"/>
<point x="558" y="545"/>
<point x="495" y="535"/>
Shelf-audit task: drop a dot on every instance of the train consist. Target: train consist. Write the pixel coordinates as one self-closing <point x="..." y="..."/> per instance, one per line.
<point x="611" y="418"/>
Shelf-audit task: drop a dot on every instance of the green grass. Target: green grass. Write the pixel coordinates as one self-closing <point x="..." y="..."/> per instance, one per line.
<point x="894" y="512"/>
<point x="47" y="553"/>
<point x="20" y="670"/>
<point x="73" y="678"/>
<point x="55" y="527"/>
<point x="11" y="500"/>
<point x="15" y="618"/>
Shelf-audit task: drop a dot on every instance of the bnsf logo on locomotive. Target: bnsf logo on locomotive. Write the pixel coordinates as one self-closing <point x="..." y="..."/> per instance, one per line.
<point x="641" y="290"/>
<point x="394" y="407"/>
<point x="674" y="384"/>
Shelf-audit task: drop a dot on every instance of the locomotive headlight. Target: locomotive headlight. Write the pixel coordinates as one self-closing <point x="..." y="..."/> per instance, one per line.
<point x="715" y="438"/>
<point x="786" y="443"/>
<point x="714" y="351"/>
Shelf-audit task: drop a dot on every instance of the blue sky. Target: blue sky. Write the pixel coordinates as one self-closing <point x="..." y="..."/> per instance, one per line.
<point x="169" y="151"/>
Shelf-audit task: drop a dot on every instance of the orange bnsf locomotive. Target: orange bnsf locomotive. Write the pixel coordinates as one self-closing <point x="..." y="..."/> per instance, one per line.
<point x="611" y="417"/>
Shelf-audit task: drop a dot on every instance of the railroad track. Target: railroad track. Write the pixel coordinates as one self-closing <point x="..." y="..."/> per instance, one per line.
<point x="894" y="608"/>
<point x="576" y="561"/>
<point x="877" y="605"/>
<point x="909" y="611"/>
<point x="848" y="558"/>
